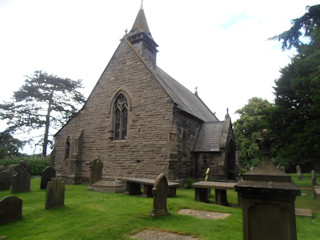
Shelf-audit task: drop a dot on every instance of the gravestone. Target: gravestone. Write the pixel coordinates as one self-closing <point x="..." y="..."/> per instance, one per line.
<point x="11" y="169"/>
<point x="55" y="194"/>
<point x="5" y="180"/>
<point x="95" y="171"/>
<point x="207" y="174"/>
<point x="10" y="209"/>
<point x="160" y="193"/>
<point x="314" y="178"/>
<point x="299" y="173"/>
<point x="47" y="174"/>
<point x="22" y="178"/>
<point x="267" y="199"/>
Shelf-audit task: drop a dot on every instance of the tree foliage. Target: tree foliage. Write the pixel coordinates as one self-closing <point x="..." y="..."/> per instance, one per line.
<point x="296" y="116"/>
<point x="44" y="101"/>
<point x="248" y="128"/>
<point x="301" y="27"/>
<point x="9" y="146"/>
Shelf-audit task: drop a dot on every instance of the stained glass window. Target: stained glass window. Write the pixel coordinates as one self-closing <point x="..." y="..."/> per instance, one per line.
<point x="120" y="117"/>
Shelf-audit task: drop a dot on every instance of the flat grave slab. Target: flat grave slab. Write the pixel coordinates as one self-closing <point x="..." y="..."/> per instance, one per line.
<point x="204" y="214"/>
<point x="303" y="212"/>
<point x="159" y="235"/>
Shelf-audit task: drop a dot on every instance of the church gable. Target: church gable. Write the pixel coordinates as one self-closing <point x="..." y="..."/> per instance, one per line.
<point x="140" y="122"/>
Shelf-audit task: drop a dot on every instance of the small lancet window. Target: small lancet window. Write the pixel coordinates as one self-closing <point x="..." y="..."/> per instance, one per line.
<point x="120" y="117"/>
<point x="67" y="151"/>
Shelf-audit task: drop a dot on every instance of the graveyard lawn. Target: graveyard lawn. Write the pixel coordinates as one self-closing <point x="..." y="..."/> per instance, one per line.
<point x="97" y="215"/>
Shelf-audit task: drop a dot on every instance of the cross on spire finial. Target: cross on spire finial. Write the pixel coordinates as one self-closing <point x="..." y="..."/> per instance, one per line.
<point x="141" y="4"/>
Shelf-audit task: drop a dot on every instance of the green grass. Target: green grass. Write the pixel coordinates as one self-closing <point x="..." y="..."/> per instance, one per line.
<point x="95" y="215"/>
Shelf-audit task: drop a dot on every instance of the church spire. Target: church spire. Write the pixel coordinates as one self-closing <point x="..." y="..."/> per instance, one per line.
<point x="141" y="38"/>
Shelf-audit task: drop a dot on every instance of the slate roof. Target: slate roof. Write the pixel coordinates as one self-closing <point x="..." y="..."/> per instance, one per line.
<point x="209" y="137"/>
<point x="185" y="99"/>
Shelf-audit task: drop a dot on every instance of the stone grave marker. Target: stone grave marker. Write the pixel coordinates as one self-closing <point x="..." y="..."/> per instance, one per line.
<point x="11" y="169"/>
<point x="55" y="194"/>
<point x="95" y="170"/>
<point x="160" y="193"/>
<point x="314" y="178"/>
<point x="5" y="180"/>
<point x="10" y="209"/>
<point x="22" y="178"/>
<point x="207" y="174"/>
<point x="299" y="173"/>
<point x="47" y="174"/>
<point x="267" y="199"/>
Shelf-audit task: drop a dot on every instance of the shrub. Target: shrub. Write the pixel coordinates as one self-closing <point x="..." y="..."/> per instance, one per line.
<point x="189" y="183"/>
<point x="37" y="164"/>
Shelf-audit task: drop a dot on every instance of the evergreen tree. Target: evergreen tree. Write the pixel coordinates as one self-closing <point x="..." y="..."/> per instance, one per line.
<point x="295" y="119"/>
<point x="44" y="101"/>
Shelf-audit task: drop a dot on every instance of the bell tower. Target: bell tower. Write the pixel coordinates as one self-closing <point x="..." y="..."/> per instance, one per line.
<point x="141" y="38"/>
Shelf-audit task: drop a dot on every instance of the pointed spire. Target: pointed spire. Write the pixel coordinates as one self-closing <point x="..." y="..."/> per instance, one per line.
<point x="141" y="38"/>
<point x="140" y="24"/>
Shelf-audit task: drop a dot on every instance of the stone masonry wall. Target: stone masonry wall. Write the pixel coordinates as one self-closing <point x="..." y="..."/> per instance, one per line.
<point x="187" y="130"/>
<point x="145" y="151"/>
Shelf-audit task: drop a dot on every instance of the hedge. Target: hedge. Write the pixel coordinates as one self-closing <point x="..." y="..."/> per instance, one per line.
<point x="37" y="164"/>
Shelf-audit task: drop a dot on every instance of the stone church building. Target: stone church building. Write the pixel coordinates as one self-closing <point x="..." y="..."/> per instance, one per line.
<point x="140" y="122"/>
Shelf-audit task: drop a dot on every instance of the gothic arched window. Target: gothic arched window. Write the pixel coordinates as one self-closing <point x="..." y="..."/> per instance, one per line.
<point x="67" y="151"/>
<point x="120" y="117"/>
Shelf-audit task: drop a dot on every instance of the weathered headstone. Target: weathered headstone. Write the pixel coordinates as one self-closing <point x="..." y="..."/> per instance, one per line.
<point x="96" y="170"/>
<point x="267" y="199"/>
<point x="47" y="174"/>
<point x="314" y="178"/>
<point x="207" y="174"/>
<point x="299" y="173"/>
<point x="10" y="209"/>
<point x="11" y="169"/>
<point x="5" y="180"/>
<point x="160" y="193"/>
<point x="22" y="178"/>
<point x="55" y="194"/>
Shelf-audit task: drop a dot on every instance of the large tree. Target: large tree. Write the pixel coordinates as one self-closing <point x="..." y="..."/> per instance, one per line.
<point x="248" y="128"/>
<point x="296" y="115"/>
<point x="44" y="101"/>
<point x="9" y="146"/>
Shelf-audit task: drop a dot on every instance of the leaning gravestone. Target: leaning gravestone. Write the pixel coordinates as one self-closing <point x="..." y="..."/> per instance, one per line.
<point x="47" y="174"/>
<point x="160" y="193"/>
<point x="55" y="194"/>
<point x="22" y="179"/>
<point x="5" y="180"/>
<point x="95" y="170"/>
<point x="10" y="209"/>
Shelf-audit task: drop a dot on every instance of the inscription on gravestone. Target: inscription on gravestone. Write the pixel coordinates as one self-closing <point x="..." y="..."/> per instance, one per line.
<point x="10" y="209"/>
<point x="160" y="193"/>
<point x="47" y="174"/>
<point x="22" y="178"/>
<point x="5" y="180"/>
<point x="55" y="194"/>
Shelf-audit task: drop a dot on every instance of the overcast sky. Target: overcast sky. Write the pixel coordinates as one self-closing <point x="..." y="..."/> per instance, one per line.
<point x="221" y="47"/>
